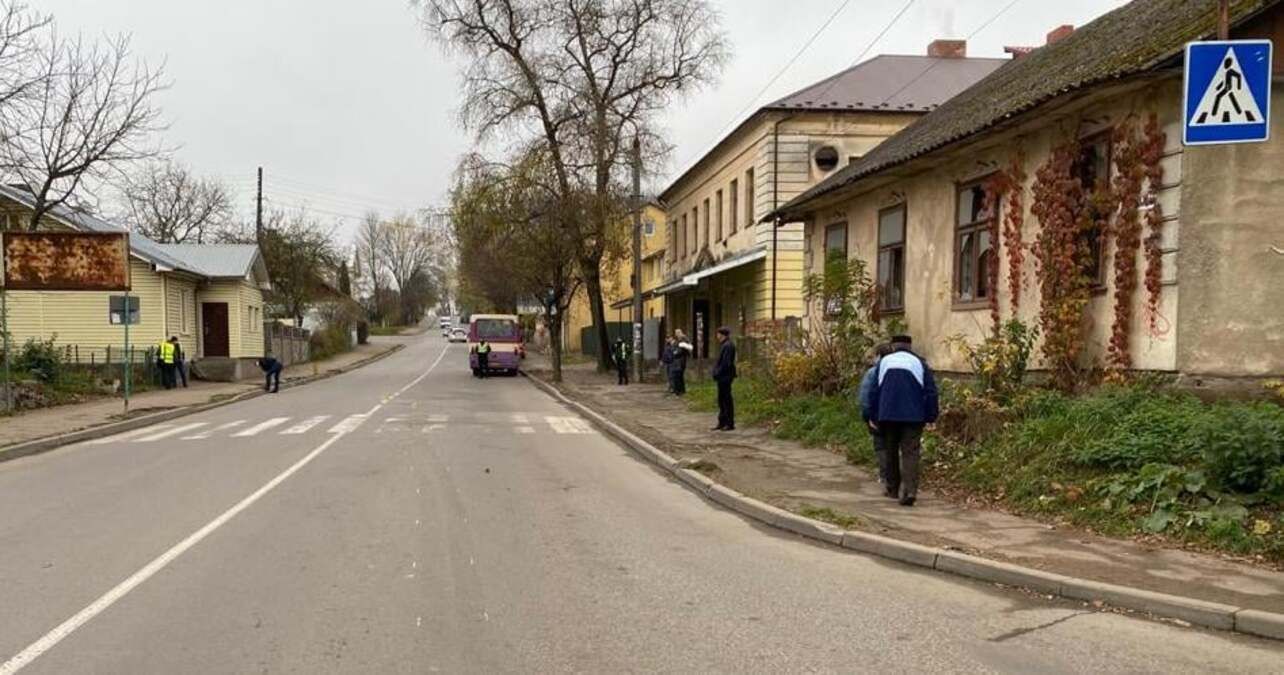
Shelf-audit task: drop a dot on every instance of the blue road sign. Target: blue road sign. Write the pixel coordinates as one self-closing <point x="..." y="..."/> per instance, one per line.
<point x="1227" y="92"/>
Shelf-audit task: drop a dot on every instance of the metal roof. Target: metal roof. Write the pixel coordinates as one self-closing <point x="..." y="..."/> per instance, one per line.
<point x="892" y="83"/>
<point x="1134" y="39"/>
<point x="883" y="84"/>
<point x="225" y="261"/>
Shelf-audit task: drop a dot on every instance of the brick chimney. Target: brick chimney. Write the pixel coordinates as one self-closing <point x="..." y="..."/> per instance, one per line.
<point x="948" y="49"/>
<point x="1060" y="33"/>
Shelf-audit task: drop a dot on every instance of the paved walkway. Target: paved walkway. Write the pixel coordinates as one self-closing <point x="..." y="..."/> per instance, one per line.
<point x="797" y="478"/>
<point x="35" y="424"/>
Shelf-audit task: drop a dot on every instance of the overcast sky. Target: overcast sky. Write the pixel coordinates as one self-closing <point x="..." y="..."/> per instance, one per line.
<point x="348" y="107"/>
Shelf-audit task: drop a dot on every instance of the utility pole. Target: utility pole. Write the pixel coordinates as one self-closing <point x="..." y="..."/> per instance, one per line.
<point x="1223" y="20"/>
<point x="258" y="212"/>
<point x="637" y="258"/>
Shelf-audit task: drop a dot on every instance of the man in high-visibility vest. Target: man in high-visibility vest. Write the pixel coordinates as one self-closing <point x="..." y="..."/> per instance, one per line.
<point x="165" y="357"/>
<point x="483" y="358"/>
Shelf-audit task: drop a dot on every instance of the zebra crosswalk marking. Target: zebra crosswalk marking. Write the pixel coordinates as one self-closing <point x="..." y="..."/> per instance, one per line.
<point x="261" y="427"/>
<point x="524" y="430"/>
<point x="305" y="425"/>
<point x="128" y="434"/>
<point x="173" y="431"/>
<point x="210" y="432"/>
<point x="568" y="425"/>
<point x="349" y="424"/>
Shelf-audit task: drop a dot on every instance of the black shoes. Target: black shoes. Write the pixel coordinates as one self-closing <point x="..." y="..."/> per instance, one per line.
<point x="892" y="493"/>
<point x="907" y="501"/>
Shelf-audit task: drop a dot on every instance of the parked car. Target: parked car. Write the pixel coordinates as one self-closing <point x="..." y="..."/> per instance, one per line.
<point x="458" y="335"/>
<point x="444" y="322"/>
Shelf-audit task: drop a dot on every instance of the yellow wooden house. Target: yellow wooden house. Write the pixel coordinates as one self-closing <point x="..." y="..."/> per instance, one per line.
<point x="209" y="296"/>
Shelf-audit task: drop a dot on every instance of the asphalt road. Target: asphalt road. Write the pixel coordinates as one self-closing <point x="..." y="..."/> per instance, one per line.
<point x="402" y="518"/>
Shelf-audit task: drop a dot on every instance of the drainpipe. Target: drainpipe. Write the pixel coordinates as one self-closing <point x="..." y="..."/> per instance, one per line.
<point x="775" y="204"/>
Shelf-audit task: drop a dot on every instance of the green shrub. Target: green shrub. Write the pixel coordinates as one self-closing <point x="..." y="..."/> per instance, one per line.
<point x="1243" y="445"/>
<point x="40" y="359"/>
<point x="329" y="341"/>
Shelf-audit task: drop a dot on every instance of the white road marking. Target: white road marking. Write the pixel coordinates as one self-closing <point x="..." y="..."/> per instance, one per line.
<point x="128" y="434"/>
<point x="569" y="425"/>
<point x="429" y="428"/>
<point x="439" y="419"/>
<point x="519" y="418"/>
<point x="349" y="424"/>
<point x="210" y="432"/>
<point x="305" y="425"/>
<point x="261" y="427"/>
<point x="419" y="621"/>
<point x="106" y="600"/>
<point x="524" y="430"/>
<point x="170" y="432"/>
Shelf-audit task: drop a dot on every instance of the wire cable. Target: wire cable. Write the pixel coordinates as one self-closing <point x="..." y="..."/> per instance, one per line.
<point x="886" y="29"/>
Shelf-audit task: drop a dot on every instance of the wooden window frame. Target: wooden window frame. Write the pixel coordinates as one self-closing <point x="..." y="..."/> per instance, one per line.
<point x="734" y="206"/>
<point x="718" y="214"/>
<point x="695" y="230"/>
<point x="831" y="228"/>
<point x="682" y="249"/>
<point x="903" y="207"/>
<point x="707" y="241"/>
<point x="1106" y="141"/>
<point x="749" y="198"/>
<point x="962" y="229"/>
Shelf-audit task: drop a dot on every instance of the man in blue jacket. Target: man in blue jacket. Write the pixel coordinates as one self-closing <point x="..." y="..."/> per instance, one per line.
<point x="903" y="401"/>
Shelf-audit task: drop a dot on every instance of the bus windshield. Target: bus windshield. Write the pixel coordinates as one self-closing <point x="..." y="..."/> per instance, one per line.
<point x="496" y="330"/>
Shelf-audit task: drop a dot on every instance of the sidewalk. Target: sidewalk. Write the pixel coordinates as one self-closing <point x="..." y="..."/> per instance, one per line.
<point x="45" y="422"/>
<point x="805" y="480"/>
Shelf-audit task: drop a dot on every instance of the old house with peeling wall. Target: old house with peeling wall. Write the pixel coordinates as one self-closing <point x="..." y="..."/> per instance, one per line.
<point x="931" y="211"/>
<point x="723" y="267"/>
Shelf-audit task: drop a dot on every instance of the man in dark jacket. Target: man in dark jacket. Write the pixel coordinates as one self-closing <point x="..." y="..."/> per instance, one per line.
<point x="666" y="362"/>
<point x="272" y="371"/>
<point x="724" y="373"/>
<point x="180" y="365"/>
<point x="620" y="353"/>
<point x="679" y="365"/>
<point x="901" y="403"/>
<point x="867" y="385"/>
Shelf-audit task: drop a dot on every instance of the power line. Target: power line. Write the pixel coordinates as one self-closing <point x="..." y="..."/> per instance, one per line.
<point x="798" y="54"/>
<point x="306" y="184"/>
<point x="936" y="62"/>
<point x="337" y="201"/>
<point x="883" y="33"/>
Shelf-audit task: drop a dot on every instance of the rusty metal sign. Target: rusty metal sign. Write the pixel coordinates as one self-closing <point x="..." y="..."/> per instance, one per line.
<point x="65" y="261"/>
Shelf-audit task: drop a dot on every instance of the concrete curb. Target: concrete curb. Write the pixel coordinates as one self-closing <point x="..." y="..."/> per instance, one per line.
<point x="40" y="445"/>
<point x="1197" y="612"/>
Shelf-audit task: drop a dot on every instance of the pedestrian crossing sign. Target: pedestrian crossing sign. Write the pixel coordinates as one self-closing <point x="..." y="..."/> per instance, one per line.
<point x="1227" y="92"/>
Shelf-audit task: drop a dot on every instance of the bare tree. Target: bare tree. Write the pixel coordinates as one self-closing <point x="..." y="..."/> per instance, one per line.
<point x="586" y="75"/>
<point x="368" y="265"/>
<point x="166" y="202"/>
<point x="20" y="30"/>
<point x="91" y="111"/>
<point x="408" y="251"/>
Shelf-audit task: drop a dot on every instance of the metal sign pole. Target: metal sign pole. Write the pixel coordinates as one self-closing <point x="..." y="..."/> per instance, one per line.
<point x="638" y="360"/>
<point x="126" y="353"/>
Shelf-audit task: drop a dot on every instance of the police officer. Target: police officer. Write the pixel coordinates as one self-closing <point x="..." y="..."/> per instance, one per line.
<point x="165" y="354"/>
<point x="483" y="358"/>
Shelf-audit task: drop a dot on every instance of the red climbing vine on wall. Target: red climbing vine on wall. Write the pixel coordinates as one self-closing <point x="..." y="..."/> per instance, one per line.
<point x="1152" y="153"/>
<point x="1013" y="222"/>
<point x="1129" y="174"/>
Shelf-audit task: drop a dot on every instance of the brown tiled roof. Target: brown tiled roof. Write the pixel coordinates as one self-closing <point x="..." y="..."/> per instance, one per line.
<point x="891" y="83"/>
<point x="1131" y="40"/>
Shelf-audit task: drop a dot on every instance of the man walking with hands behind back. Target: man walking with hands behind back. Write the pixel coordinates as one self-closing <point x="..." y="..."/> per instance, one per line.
<point x="724" y="372"/>
<point x="900" y="404"/>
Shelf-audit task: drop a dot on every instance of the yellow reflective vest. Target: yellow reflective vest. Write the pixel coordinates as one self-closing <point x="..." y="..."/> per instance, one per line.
<point x="167" y="352"/>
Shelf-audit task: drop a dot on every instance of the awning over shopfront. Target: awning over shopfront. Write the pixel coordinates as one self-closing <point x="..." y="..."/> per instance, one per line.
<point x="692" y="280"/>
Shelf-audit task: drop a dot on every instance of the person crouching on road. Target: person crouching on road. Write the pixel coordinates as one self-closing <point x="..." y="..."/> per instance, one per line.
<point x="272" y="373"/>
<point x="483" y="358"/>
<point x="681" y="355"/>
<point x="867" y="385"/>
<point x="724" y="373"/>
<point x="620" y="354"/>
<point x="902" y="402"/>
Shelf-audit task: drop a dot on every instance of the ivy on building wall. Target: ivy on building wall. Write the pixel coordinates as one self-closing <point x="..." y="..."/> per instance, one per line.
<point x="1130" y="173"/>
<point x="1152" y="153"/>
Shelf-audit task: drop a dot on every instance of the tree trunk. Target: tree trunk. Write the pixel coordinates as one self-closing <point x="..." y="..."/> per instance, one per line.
<point x="555" y="344"/>
<point x="591" y="270"/>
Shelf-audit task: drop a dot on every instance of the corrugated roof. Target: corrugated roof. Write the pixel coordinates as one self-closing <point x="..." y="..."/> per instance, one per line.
<point x="138" y="244"/>
<point x="891" y="83"/>
<point x="1131" y="40"/>
<point x="883" y="84"/>
<point x="228" y="261"/>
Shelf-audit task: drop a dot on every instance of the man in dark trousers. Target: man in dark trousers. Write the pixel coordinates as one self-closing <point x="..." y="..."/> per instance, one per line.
<point x="272" y="371"/>
<point x="666" y="362"/>
<point x="483" y="358"/>
<point x="679" y="366"/>
<point x="902" y="402"/>
<point x="867" y="385"/>
<point x="620" y="353"/>
<point x="165" y="359"/>
<point x="724" y="373"/>
<point x="180" y="367"/>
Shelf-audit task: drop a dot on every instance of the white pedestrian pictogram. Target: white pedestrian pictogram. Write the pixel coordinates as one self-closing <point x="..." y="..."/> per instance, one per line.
<point x="1227" y="100"/>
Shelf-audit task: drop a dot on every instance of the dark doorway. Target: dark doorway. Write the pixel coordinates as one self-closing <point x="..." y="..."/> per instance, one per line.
<point x="214" y="328"/>
<point x="700" y="327"/>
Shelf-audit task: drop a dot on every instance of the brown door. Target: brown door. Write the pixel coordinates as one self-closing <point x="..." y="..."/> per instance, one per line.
<point x="214" y="328"/>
